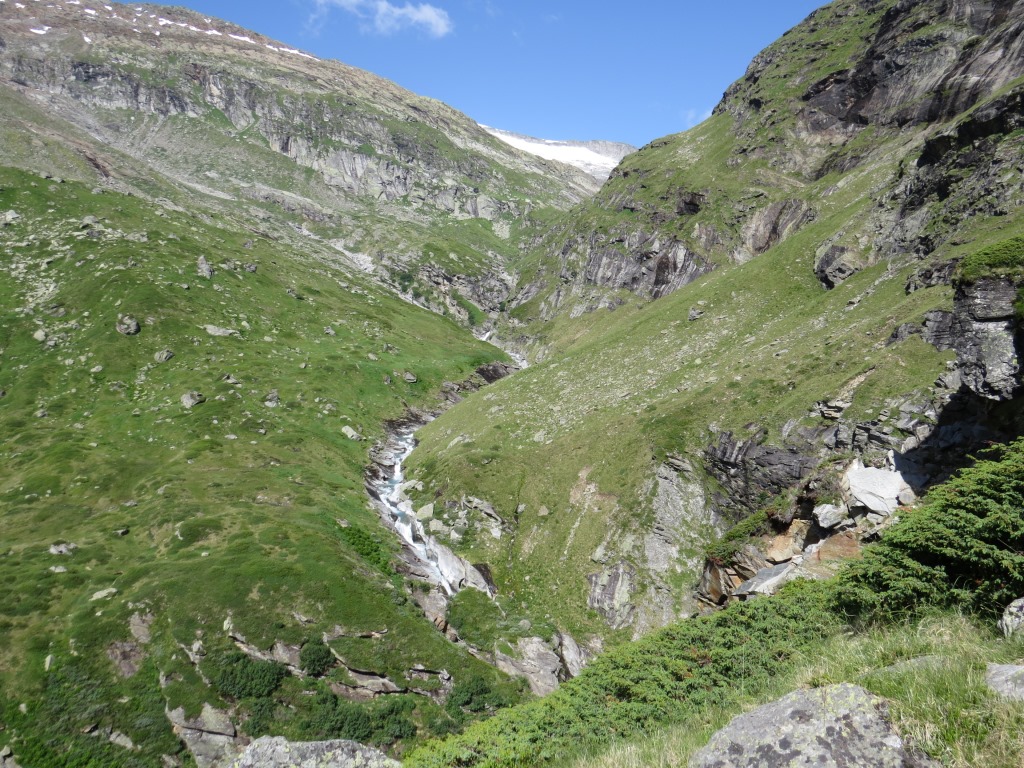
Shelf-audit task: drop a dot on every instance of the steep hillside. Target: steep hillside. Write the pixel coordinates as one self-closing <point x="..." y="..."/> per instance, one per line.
<point x="747" y="307"/>
<point x="399" y="184"/>
<point x="203" y="235"/>
<point x="753" y="345"/>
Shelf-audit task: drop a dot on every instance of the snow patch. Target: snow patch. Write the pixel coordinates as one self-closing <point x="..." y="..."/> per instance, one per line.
<point x="40" y="31"/>
<point x="596" y="158"/>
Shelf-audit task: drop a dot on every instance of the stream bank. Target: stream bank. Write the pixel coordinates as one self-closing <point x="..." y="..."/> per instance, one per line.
<point x="544" y="663"/>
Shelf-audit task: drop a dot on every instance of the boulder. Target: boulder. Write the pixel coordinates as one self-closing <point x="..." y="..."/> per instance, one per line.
<point x="840" y="725"/>
<point x="1013" y="618"/>
<point x="767" y="581"/>
<point x="877" y="490"/>
<point x="785" y="546"/>
<point x="410" y="377"/>
<point x="163" y="355"/>
<point x="536" y="661"/>
<point x="277" y="752"/>
<point x="103" y="594"/>
<point x="128" y="325"/>
<point x="215" y="330"/>
<point x="830" y="515"/>
<point x="1007" y="680"/>
<point x="211" y="737"/>
<point x="842" y="546"/>
<point x="190" y="399"/>
<point x="350" y="433"/>
<point x="7" y="758"/>
<point x="716" y="583"/>
<point x="203" y="268"/>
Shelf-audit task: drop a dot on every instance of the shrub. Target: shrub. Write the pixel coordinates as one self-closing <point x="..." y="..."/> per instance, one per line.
<point x="367" y="546"/>
<point x="384" y="723"/>
<point x="471" y="693"/>
<point x="238" y="676"/>
<point x="733" y="540"/>
<point x="316" y="658"/>
<point x="963" y="547"/>
<point x="680" y="671"/>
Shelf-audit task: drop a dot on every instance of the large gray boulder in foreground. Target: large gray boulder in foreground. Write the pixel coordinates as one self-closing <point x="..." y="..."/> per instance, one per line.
<point x="277" y="752"/>
<point x="840" y="726"/>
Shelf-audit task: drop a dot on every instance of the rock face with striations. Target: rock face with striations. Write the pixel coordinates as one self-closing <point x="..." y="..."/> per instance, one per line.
<point x="986" y="338"/>
<point x="841" y="725"/>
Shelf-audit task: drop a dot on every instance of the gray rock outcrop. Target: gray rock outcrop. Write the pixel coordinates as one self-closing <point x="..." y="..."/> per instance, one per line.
<point x="748" y="470"/>
<point x="611" y="593"/>
<point x="841" y="725"/>
<point x="770" y="225"/>
<point x="128" y="325"/>
<point x="1007" y="680"/>
<point x="835" y="263"/>
<point x="985" y="333"/>
<point x="536" y="661"/>
<point x="1013" y="618"/>
<point x="277" y="752"/>
<point x="211" y="737"/>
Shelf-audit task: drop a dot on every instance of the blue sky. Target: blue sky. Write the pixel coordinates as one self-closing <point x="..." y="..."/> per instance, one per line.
<point x="561" y="70"/>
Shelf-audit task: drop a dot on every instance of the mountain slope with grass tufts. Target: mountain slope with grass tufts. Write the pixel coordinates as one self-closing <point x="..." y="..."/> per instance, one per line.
<point x="750" y="352"/>
<point x="746" y="308"/>
<point x="212" y="249"/>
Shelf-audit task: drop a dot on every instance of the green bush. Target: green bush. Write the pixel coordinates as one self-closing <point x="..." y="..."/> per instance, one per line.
<point x="383" y="723"/>
<point x="473" y="694"/>
<point x="236" y="675"/>
<point x="367" y="546"/>
<point x="316" y="658"/>
<point x="733" y="540"/>
<point x="963" y="547"/>
<point x="680" y="671"/>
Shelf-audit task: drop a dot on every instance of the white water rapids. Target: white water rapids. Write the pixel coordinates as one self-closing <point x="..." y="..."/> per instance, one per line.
<point x="427" y="558"/>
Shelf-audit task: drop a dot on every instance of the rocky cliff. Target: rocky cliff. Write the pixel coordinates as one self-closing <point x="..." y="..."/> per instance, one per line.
<point x="745" y="308"/>
<point x="401" y="185"/>
<point x="913" y="104"/>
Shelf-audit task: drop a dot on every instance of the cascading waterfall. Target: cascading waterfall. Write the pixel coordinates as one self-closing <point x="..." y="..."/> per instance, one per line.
<point x="432" y="561"/>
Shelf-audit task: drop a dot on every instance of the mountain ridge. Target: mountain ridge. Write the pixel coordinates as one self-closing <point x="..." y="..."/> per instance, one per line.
<point x="220" y="256"/>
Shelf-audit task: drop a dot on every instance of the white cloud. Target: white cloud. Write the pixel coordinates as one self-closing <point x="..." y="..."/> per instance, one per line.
<point x="386" y="18"/>
<point x="692" y="117"/>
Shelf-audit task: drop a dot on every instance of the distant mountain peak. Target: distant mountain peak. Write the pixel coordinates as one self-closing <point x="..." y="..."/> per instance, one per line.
<point x="598" y="158"/>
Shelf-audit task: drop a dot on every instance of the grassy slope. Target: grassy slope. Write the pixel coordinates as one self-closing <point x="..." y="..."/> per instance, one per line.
<point x="618" y="388"/>
<point x="655" y="701"/>
<point x="230" y="507"/>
